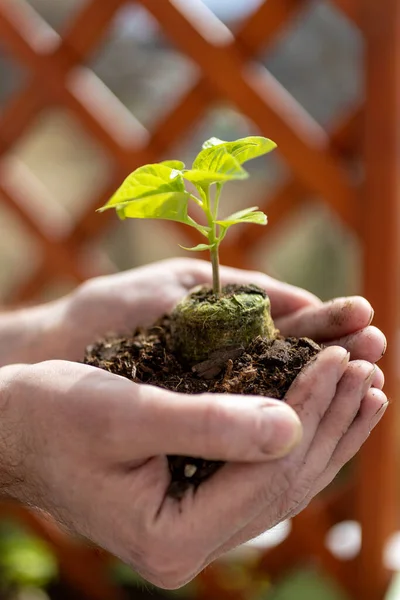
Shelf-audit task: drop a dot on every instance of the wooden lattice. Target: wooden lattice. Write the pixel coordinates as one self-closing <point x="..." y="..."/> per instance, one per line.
<point x="319" y="163"/>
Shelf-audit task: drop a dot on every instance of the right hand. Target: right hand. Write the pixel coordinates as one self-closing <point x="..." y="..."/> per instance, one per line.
<point x="89" y="448"/>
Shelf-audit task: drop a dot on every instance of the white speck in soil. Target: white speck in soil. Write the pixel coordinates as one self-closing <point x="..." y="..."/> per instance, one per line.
<point x="190" y="470"/>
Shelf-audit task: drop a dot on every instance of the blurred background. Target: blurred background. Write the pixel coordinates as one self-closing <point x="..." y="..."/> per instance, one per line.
<point x="76" y="118"/>
<point x="317" y="58"/>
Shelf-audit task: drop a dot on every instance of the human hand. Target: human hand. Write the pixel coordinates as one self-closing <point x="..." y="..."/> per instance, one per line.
<point x="118" y="303"/>
<point x="89" y="448"/>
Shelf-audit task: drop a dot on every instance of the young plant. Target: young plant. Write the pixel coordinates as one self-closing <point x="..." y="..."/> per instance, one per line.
<point x="158" y="191"/>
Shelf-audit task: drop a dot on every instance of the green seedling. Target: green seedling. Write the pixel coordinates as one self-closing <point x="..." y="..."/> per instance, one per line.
<point x="159" y="191"/>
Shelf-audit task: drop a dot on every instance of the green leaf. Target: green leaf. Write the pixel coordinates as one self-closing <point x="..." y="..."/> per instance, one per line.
<point x="248" y="215"/>
<point x="214" y="165"/>
<point x="147" y="181"/>
<point x="172" y="206"/>
<point x="243" y="149"/>
<point x="120" y="212"/>
<point x="198" y="248"/>
<point x="174" y="164"/>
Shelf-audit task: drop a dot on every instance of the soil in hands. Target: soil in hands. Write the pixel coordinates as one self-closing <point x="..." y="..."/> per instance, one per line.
<point x="265" y="368"/>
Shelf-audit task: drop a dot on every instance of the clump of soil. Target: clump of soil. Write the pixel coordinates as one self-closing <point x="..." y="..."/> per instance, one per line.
<point x="204" y="323"/>
<point x="265" y="368"/>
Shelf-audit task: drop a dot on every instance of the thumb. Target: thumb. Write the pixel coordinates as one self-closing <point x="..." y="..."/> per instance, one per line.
<point x="213" y="426"/>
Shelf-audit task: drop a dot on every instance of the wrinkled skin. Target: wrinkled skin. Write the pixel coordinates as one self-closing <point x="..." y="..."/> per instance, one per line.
<point x="89" y="447"/>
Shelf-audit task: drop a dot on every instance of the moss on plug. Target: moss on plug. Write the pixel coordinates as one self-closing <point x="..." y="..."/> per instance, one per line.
<point x="204" y="323"/>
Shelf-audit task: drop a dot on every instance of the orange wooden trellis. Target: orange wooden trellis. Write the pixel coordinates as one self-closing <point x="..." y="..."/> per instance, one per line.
<point x="319" y="163"/>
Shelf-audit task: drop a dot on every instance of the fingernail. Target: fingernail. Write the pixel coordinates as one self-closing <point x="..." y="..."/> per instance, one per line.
<point x="384" y="348"/>
<point x="282" y="430"/>
<point x="371" y="318"/>
<point x="369" y="378"/>
<point x="346" y="358"/>
<point x="378" y="415"/>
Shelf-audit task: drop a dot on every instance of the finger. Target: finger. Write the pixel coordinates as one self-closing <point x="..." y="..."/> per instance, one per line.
<point x="373" y="407"/>
<point x="371" y="410"/>
<point x="285" y="298"/>
<point x="332" y="432"/>
<point x="378" y="380"/>
<point x="368" y="344"/>
<point x="314" y="388"/>
<point x="352" y="388"/>
<point x="253" y="486"/>
<point x="330" y="321"/>
<point x="350" y="391"/>
<point x="220" y="427"/>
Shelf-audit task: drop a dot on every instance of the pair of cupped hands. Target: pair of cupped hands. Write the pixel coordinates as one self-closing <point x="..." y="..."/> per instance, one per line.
<point x="89" y="447"/>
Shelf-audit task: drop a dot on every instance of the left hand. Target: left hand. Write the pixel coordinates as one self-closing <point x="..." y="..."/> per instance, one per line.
<point x="119" y="303"/>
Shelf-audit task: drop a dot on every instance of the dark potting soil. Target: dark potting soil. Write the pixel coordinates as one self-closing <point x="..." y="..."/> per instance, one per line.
<point x="264" y="368"/>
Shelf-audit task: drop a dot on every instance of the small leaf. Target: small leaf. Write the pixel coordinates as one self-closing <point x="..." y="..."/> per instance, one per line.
<point x="146" y="181"/>
<point x="248" y="215"/>
<point x="198" y="248"/>
<point x="174" y="164"/>
<point x="203" y="178"/>
<point x="243" y="149"/>
<point x="242" y="213"/>
<point x="214" y="165"/>
<point x="216" y="160"/>
<point x="172" y="206"/>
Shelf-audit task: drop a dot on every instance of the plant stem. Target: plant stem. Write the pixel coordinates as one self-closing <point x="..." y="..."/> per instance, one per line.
<point x="197" y="200"/>
<point x="212" y="240"/>
<point x="215" y="269"/>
